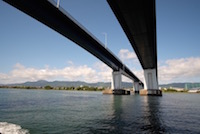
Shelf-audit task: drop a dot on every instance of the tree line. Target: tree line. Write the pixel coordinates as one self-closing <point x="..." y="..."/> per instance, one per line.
<point x="48" y="87"/>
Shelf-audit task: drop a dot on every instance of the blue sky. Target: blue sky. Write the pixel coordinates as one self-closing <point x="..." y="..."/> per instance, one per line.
<point x="31" y="51"/>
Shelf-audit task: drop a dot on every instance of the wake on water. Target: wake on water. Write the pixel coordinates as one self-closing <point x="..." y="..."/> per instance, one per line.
<point x="9" y="128"/>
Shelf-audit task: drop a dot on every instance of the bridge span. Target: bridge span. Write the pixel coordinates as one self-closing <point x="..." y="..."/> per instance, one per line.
<point x="138" y="20"/>
<point x="50" y="14"/>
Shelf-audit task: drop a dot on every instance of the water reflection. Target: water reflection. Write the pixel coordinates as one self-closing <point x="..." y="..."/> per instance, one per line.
<point x="132" y="114"/>
<point x="117" y="122"/>
<point x="124" y="117"/>
<point x="136" y="114"/>
<point x="152" y="119"/>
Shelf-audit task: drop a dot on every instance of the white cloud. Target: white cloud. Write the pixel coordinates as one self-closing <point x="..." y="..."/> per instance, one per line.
<point x="20" y="73"/>
<point x="175" y="70"/>
<point x="104" y="72"/>
<point x="125" y="54"/>
<point x="180" y="70"/>
<point x="70" y="63"/>
<point x="129" y="59"/>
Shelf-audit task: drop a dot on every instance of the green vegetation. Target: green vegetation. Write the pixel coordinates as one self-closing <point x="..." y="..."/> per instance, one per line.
<point x="21" y="87"/>
<point x="48" y="87"/>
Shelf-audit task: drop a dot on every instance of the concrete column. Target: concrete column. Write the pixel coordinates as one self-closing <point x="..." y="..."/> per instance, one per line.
<point x="116" y="84"/>
<point x="116" y="80"/>
<point x="150" y="83"/>
<point x="136" y="87"/>
<point x="150" y="79"/>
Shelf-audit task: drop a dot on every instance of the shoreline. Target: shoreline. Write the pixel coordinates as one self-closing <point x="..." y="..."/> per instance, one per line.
<point x="84" y="88"/>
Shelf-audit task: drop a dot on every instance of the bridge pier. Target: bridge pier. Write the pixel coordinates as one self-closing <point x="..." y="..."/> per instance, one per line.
<point x="116" y="84"/>
<point x="150" y="83"/>
<point x="136" y="87"/>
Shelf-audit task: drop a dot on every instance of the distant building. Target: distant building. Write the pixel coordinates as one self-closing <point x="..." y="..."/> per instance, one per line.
<point x="177" y="88"/>
<point x="194" y="91"/>
<point x="192" y="85"/>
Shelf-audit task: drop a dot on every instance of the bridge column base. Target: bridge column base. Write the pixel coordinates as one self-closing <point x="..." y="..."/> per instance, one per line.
<point x="136" y="92"/>
<point x="107" y="91"/>
<point x="121" y="92"/>
<point x="136" y="87"/>
<point x="151" y="92"/>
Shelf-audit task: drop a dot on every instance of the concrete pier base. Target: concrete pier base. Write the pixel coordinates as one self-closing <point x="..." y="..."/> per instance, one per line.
<point x="108" y="91"/>
<point x="121" y="92"/>
<point x="151" y="92"/>
<point x="136" y="92"/>
<point x="116" y="92"/>
<point x="136" y="87"/>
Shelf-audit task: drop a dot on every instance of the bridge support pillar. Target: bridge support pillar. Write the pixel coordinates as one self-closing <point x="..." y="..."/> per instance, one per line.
<point x="116" y="80"/>
<point x="150" y="83"/>
<point x="136" y="87"/>
<point x="116" y="84"/>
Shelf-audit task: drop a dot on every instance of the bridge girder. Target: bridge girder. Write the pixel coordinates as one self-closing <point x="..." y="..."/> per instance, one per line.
<point x="138" y="20"/>
<point x="59" y="20"/>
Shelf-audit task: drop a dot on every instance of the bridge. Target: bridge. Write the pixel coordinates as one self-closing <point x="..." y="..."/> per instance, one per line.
<point x="138" y="20"/>
<point x="143" y="42"/>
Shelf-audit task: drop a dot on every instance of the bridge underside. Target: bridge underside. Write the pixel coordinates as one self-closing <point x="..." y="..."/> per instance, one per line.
<point x="60" y="21"/>
<point x="138" y="20"/>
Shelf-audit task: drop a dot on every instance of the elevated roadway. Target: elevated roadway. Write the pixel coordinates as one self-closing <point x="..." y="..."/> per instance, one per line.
<point x="138" y="20"/>
<point x="56" y="18"/>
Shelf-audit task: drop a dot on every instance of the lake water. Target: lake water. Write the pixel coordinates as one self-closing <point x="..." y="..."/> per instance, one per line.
<point x="68" y="112"/>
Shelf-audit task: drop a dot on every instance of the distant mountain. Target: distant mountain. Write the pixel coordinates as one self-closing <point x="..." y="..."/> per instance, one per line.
<point x="178" y="85"/>
<point x="186" y="85"/>
<point x="42" y="83"/>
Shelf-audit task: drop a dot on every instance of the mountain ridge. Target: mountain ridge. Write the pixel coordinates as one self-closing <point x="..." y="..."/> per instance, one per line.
<point x="42" y="83"/>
